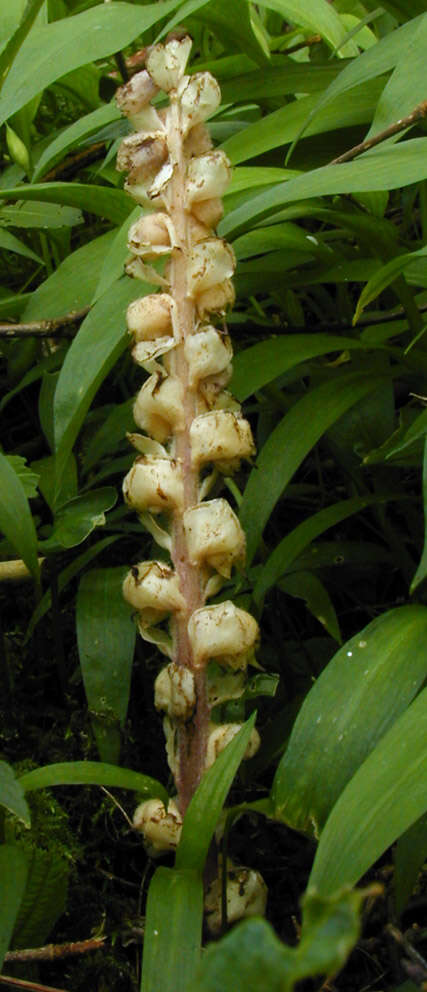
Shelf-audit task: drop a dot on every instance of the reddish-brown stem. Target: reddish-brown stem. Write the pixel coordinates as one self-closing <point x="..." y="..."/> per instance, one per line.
<point x="192" y="735"/>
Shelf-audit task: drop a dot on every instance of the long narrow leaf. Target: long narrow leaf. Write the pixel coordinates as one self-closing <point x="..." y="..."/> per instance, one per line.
<point x="13" y="876"/>
<point x="16" y="521"/>
<point x="173" y="930"/>
<point x="91" y="773"/>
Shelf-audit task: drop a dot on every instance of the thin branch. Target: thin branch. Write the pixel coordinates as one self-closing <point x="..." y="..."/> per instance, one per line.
<point x="417" y="114"/>
<point x="19" y="983"/>
<point x="73" y="163"/>
<point x="59" y="327"/>
<point x="53" y="951"/>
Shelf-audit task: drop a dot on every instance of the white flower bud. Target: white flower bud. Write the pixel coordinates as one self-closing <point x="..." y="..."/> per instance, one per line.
<point x="158" y="408"/>
<point x="150" y="235"/>
<point x="174" y="692"/>
<point x="166" y="63"/>
<point x="150" y="317"/>
<point x="141" y="157"/>
<point x="214" y="535"/>
<point x="209" y="212"/>
<point x="161" y="829"/>
<point x="246" y="896"/>
<point x="216" y="299"/>
<point x="145" y="353"/>
<point x="209" y="263"/>
<point x="207" y="176"/>
<point x="223" y="633"/>
<point x="207" y="352"/>
<point x="135" y="94"/>
<point x="222" y="437"/>
<point x="154" y="484"/>
<point x="200" y="96"/>
<point x="153" y="586"/>
<point x="197" y="142"/>
<point x="221" y="735"/>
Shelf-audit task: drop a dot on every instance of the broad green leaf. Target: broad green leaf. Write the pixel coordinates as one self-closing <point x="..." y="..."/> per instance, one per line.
<point x="384" y="276"/>
<point x="318" y="17"/>
<point x="72" y="284"/>
<point x="11" y="794"/>
<point x="114" y="260"/>
<point x="291" y="546"/>
<point x="307" y="586"/>
<point x="283" y="76"/>
<point x="385" y="796"/>
<point x="406" y="86"/>
<point x="52" y="51"/>
<point x="46" y="470"/>
<point x="26" y="475"/>
<point x="77" y="518"/>
<point x="65" y="577"/>
<point x="173" y="930"/>
<point x="248" y="176"/>
<point x="290" y="443"/>
<point x="368" y="683"/>
<point x="8" y="242"/>
<point x="78" y="131"/>
<point x="110" y="434"/>
<point x="45" y="895"/>
<point x="49" y="364"/>
<point x="38" y="214"/>
<point x="233" y="24"/>
<point x="16" y="521"/>
<point x="282" y="126"/>
<point x="330" y="930"/>
<point x="387" y="167"/>
<point x="13" y="875"/>
<point x="12" y="47"/>
<point x="288" y="237"/>
<point x="95" y="349"/>
<point x="379" y="59"/>
<point x="91" y="773"/>
<point x="421" y="572"/>
<point x="104" y="201"/>
<point x="106" y="637"/>
<point x="204" y="810"/>
<point x="266" y="360"/>
<point x="409" y="856"/>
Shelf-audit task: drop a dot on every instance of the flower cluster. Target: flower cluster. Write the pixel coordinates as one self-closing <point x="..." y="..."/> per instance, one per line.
<point x="192" y="428"/>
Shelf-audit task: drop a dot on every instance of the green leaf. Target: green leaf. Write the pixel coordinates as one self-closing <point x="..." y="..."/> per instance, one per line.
<point x="72" y="285"/>
<point x="421" y="572"/>
<point x="368" y="683"/>
<point x="290" y="443"/>
<point x="385" y="167"/>
<point x="203" y="812"/>
<point x="306" y="585"/>
<point x="18" y="37"/>
<point x="13" y="875"/>
<point x="77" y="132"/>
<point x="114" y="260"/>
<point x="385" y="796"/>
<point x="25" y="474"/>
<point x="75" y="520"/>
<point x="300" y="537"/>
<point x="38" y="214"/>
<point x="317" y="17"/>
<point x="330" y="929"/>
<point x="16" y="521"/>
<point x="51" y="51"/>
<point x="44" y="899"/>
<point x="8" y="242"/>
<point x="283" y="125"/>
<point x="282" y="77"/>
<point x="103" y="201"/>
<point x="173" y="930"/>
<point x="106" y="641"/>
<point x="384" y="276"/>
<point x="100" y="341"/>
<point x="112" y="431"/>
<point x="11" y="794"/>
<point x="65" y="577"/>
<point x="255" y="367"/>
<point x="409" y="857"/>
<point x="92" y="773"/>
<point x="406" y="86"/>
<point x="234" y="26"/>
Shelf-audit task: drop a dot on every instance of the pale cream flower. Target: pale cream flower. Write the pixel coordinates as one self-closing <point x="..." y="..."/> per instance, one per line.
<point x="214" y="535"/>
<point x="220" y="436"/>
<point x="150" y="317"/>
<point x="161" y="828"/>
<point x="223" y="633"/>
<point x="154" y="484"/>
<point x="199" y="96"/>
<point x="216" y="299"/>
<point x="151" y="235"/>
<point x="246" y="896"/>
<point x="153" y="586"/>
<point x="222" y="734"/>
<point x="174" y="691"/>
<point x="209" y="212"/>
<point x="208" y="352"/>
<point x="166" y="63"/>
<point x="135" y="95"/>
<point x="207" y="176"/>
<point x="209" y="263"/>
<point x="158" y="408"/>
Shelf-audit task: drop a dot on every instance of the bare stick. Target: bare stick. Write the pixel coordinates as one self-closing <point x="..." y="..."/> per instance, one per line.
<point x="19" y="983"/>
<point x="53" y="951"/>
<point x="417" y="114"/>
<point x="57" y="327"/>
